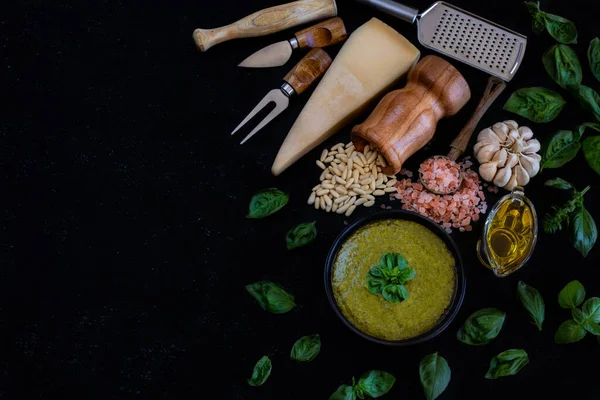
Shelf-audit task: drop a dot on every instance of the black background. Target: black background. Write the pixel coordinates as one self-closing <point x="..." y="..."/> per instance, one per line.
<point x="125" y="250"/>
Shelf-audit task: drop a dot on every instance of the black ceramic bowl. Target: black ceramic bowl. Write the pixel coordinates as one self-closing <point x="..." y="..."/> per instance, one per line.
<point x="459" y="289"/>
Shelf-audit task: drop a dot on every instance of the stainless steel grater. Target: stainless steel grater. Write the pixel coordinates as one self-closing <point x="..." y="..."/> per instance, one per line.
<point x="463" y="36"/>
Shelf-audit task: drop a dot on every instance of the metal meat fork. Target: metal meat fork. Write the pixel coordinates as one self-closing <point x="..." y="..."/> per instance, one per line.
<point x="308" y="70"/>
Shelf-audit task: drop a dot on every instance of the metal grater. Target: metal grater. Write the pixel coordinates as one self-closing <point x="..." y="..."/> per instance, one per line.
<point x="463" y="36"/>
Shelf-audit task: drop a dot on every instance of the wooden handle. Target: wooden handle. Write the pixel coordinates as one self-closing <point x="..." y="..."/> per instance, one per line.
<point x="406" y="119"/>
<point x="267" y="21"/>
<point x="322" y="34"/>
<point x="308" y="70"/>
<point x="495" y="86"/>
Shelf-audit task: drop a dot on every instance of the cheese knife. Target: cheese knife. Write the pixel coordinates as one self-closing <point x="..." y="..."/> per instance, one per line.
<point x="322" y="34"/>
<point x="309" y="69"/>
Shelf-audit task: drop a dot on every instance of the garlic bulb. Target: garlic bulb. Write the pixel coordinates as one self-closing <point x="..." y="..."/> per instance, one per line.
<point x="507" y="154"/>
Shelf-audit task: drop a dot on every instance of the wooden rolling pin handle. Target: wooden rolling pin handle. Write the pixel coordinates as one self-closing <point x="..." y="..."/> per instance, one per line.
<point x="322" y="34"/>
<point x="267" y="21"/>
<point x="495" y="86"/>
<point x="308" y="70"/>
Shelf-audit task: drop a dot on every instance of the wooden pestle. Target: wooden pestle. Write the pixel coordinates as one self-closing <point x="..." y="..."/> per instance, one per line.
<point x="405" y="119"/>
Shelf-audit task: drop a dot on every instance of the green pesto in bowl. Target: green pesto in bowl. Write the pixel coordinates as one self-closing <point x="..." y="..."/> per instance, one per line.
<point x="430" y="293"/>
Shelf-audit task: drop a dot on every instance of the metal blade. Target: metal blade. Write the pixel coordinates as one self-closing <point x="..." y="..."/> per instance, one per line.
<point x="281" y="103"/>
<point x="273" y="55"/>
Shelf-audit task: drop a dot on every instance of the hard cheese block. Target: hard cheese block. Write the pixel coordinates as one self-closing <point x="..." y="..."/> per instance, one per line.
<point x="374" y="57"/>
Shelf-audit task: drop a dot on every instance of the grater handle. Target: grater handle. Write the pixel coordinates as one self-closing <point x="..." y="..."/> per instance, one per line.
<point x="390" y="7"/>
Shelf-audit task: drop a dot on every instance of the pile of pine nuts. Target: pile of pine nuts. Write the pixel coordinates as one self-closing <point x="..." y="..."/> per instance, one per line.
<point x="350" y="178"/>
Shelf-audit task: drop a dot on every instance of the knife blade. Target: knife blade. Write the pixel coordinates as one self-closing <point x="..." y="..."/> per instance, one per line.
<point x="322" y="34"/>
<point x="308" y="70"/>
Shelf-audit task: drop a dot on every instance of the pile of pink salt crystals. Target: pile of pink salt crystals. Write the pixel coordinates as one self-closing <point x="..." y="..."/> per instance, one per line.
<point x="455" y="210"/>
<point x="440" y="174"/>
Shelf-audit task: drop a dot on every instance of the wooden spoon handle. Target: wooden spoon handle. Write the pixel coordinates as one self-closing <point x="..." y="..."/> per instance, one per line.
<point x="322" y="34"/>
<point x="309" y="69"/>
<point x="495" y="86"/>
<point x="267" y="21"/>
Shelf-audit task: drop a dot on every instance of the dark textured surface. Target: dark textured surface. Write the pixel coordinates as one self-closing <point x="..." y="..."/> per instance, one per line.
<point x="125" y="250"/>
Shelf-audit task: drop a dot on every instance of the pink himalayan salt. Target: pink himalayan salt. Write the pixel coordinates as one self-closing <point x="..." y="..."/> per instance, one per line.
<point x="440" y="174"/>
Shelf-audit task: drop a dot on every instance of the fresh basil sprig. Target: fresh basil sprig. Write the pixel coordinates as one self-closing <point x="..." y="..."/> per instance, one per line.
<point x="537" y="104"/>
<point x="569" y="332"/>
<point x="388" y="278"/>
<point x="507" y="363"/>
<point x="271" y="297"/>
<point x="572" y="295"/>
<point x="266" y="202"/>
<point x="301" y="235"/>
<point x="594" y="57"/>
<point x="533" y="302"/>
<point x="588" y="98"/>
<point x="261" y="372"/>
<point x="586" y="319"/>
<point x="591" y="152"/>
<point x="481" y="327"/>
<point x="563" y="146"/>
<point x="306" y="348"/>
<point x="372" y="384"/>
<point x="561" y="29"/>
<point x="562" y="64"/>
<point x="435" y="375"/>
<point x="584" y="232"/>
<point x="558" y="183"/>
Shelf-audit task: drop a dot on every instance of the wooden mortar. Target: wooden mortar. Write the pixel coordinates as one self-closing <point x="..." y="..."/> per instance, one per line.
<point x="405" y="119"/>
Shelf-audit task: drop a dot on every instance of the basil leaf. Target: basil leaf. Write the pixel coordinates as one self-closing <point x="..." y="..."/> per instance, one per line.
<point x="266" y="202"/>
<point x="589" y="99"/>
<point x="572" y="295"/>
<point x="591" y="151"/>
<point x="306" y="348"/>
<point x="406" y="275"/>
<point x="537" y="104"/>
<point x="375" y="383"/>
<point x="561" y="29"/>
<point x="509" y="362"/>
<point x="581" y="129"/>
<point x="558" y="183"/>
<point x="344" y="392"/>
<point x="533" y="303"/>
<point x="594" y="57"/>
<point x="569" y="332"/>
<point x="537" y="23"/>
<point x="584" y="230"/>
<point x="559" y="150"/>
<point x="481" y="327"/>
<point x="301" y="235"/>
<point x="394" y="293"/>
<point x="261" y="372"/>
<point x="375" y="280"/>
<point x="271" y="297"/>
<point x="592" y="327"/>
<point x="435" y="375"/>
<point x="391" y="260"/>
<point x="578" y="316"/>
<point x="562" y="64"/>
<point x="591" y="309"/>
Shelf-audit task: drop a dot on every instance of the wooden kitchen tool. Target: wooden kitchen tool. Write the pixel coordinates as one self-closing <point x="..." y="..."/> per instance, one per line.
<point x="267" y="21"/>
<point x="405" y="119"/>
<point x="308" y="70"/>
<point x="323" y="34"/>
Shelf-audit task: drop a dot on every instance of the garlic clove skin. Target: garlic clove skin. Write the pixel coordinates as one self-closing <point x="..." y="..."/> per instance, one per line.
<point x="502" y="176"/>
<point x="486" y="153"/>
<point x="521" y="175"/>
<point x="501" y="130"/>
<point x="511" y="123"/>
<point x="531" y="164"/>
<point x="488" y="170"/>
<point x="525" y="132"/>
<point x="532" y="146"/>
<point x="513" y="160"/>
<point x="487" y="135"/>
<point x="500" y="158"/>
<point x="512" y="183"/>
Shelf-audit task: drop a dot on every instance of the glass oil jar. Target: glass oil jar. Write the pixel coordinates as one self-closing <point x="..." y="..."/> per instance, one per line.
<point x="509" y="234"/>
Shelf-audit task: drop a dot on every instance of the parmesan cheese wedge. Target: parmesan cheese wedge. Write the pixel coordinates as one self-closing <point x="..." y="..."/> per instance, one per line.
<point x="373" y="58"/>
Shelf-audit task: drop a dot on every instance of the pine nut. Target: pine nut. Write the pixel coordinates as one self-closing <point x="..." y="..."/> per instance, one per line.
<point x="359" y="191"/>
<point x="323" y="175"/>
<point x="340" y="180"/>
<point x="342" y="156"/>
<point x="322" y="192"/>
<point x="369" y="203"/>
<point x="366" y="188"/>
<point x="336" y="171"/>
<point x="352" y="193"/>
<point x="349" y="183"/>
<point x="382" y="186"/>
<point x="334" y="193"/>
<point x="334" y="207"/>
<point x="351" y="200"/>
<point x="341" y="190"/>
<point x="369" y="197"/>
<point x="367" y="149"/>
<point x="350" y="210"/>
<point x="350" y="163"/>
<point x="316" y="188"/>
<point x="357" y="160"/>
<point x="372" y="158"/>
<point x="328" y="176"/>
<point x="312" y="198"/>
<point x="391" y="182"/>
<point x="340" y="199"/>
<point x="389" y="189"/>
<point x="378" y="193"/>
<point x="328" y="208"/>
<point x="381" y="160"/>
<point x="327" y="200"/>
<point x="372" y="185"/>
<point x="349" y="150"/>
<point x="345" y="175"/>
<point x="374" y="170"/>
<point x="343" y="209"/>
<point x="320" y="164"/>
<point x="337" y="161"/>
<point x="365" y="181"/>
<point x="332" y="152"/>
<point x="363" y="159"/>
<point x="355" y="175"/>
<point x="349" y="144"/>
<point x="317" y="203"/>
<point x="327" y="185"/>
<point x="328" y="159"/>
<point x="338" y="146"/>
<point x="360" y="201"/>
<point x="385" y="178"/>
<point x="379" y="181"/>
<point x="323" y="155"/>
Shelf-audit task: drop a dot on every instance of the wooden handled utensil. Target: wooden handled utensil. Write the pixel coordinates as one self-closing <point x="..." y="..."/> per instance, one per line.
<point x="323" y="34"/>
<point x="267" y="21"/>
<point x="307" y="71"/>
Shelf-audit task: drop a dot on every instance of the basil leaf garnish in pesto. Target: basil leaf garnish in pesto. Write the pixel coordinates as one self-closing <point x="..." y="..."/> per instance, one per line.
<point x="389" y="276"/>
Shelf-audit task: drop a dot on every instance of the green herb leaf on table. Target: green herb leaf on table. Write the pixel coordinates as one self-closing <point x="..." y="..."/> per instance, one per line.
<point x="389" y="276"/>
<point x="591" y="152"/>
<point x="581" y="129"/>
<point x="584" y="231"/>
<point x="569" y="332"/>
<point x="301" y="235"/>
<point x="266" y="202"/>
<point x="562" y="64"/>
<point x="594" y="57"/>
<point x="537" y="104"/>
<point x="561" y="148"/>
<point x="533" y="303"/>
<point x="374" y="384"/>
<point x="481" y="327"/>
<point x="561" y="29"/>
<point x="588" y="98"/>
<point x="578" y="316"/>
<point x="507" y="363"/>
<point x="572" y="295"/>
<point x="558" y="183"/>
<point x="306" y="348"/>
<point x="435" y="375"/>
<point x="537" y="23"/>
<point x="261" y="372"/>
<point x="591" y="309"/>
<point x="271" y="297"/>
<point x="344" y="392"/>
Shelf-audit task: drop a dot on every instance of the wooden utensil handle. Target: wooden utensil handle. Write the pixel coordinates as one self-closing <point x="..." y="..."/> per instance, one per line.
<point x="308" y="70"/>
<point x="494" y="87"/>
<point x="267" y="21"/>
<point x="322" y="34"/>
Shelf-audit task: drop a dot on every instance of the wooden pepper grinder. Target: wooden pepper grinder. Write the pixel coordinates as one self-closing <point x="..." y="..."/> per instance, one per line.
<point x="405" y="119"/>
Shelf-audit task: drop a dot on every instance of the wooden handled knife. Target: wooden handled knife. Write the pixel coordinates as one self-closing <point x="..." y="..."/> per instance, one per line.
<point x="322" y="34"/>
